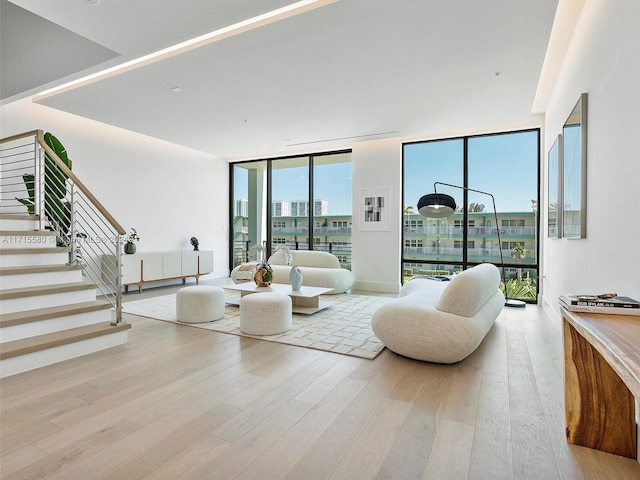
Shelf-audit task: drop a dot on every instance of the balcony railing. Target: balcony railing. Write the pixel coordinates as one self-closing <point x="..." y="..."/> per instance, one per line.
<point x="449" y="230"/>
<point x="290" y="230"/>
<point x="455" y="254"/>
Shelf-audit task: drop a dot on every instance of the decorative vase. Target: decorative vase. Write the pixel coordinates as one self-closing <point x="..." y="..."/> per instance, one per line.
<point x="129" y="247"/>
<point x="295" y="278"/>
<point x="264" y="275"/>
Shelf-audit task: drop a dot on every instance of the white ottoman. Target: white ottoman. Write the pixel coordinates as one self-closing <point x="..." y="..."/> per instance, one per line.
<point x="199" y="304"/>
<point x="266" y="313"/>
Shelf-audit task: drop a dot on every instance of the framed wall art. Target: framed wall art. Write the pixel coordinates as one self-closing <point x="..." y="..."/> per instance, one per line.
<point x="374" y="209"/>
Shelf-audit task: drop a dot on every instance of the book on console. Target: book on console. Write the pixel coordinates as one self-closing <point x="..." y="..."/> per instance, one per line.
<point x="595" y="309"/>
<point x="597" y="301"/>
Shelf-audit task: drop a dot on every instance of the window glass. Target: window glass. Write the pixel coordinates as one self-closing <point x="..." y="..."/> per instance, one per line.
<point x="290" y="202"/>
<point x="332" y="205"/>
<point x="424" y="164"/>
<point x="506" y="166"/>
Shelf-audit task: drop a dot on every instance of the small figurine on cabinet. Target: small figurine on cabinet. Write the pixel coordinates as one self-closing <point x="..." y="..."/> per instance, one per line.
<point x="195" y="243"/>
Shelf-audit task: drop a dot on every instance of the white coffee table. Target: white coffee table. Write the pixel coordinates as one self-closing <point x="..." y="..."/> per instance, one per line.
<point x="306" y="300"/>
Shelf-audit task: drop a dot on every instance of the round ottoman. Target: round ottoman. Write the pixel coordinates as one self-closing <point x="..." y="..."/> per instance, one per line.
<point x="265" y="313"/>
<point x="199" y="304"/>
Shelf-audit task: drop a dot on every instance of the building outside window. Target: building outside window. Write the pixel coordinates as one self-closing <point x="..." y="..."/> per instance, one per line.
<point x="281" y="208"/>
<point x="341" y="224"/>
<point x="411" y="243"/>
<point x="413" y="223"/>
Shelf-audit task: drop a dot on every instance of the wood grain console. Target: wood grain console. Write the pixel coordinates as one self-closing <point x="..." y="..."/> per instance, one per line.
<point x="602" y="380"/>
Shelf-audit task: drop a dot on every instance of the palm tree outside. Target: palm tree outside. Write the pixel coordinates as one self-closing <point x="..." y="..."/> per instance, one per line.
<point x="519" y="253"/>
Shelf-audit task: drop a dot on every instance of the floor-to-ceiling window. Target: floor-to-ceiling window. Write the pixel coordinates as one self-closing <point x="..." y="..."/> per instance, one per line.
<point x="302" y="202"/>
<point x="504" y="165"/>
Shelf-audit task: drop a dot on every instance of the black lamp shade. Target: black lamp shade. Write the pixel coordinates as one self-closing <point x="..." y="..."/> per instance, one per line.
<point x="436" y="205"/>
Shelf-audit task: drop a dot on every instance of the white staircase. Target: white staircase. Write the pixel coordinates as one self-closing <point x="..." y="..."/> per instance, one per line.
<point x="48" y="312"/>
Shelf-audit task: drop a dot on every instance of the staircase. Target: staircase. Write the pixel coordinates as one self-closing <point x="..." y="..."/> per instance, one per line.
<point x="49" y="312"/>
<point x="56" y="240"/>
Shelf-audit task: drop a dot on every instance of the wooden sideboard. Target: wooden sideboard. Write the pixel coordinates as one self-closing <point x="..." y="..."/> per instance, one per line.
<point x="602" y="380"/>
<point x="140" y="268"/>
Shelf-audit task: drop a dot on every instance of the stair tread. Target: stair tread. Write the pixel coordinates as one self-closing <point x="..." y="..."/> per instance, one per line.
<point x="18" y="216"/>
<point x="28" y="233"/>
<point x="39" y="269"/>
<point x="15" y="251"/>
<point x="45" y="290"/>
<point x="27" y="316"/>
<point x="56" y="339"/>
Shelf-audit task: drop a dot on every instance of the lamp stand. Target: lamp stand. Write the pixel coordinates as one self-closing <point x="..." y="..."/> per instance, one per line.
<point x="512" y="302"/>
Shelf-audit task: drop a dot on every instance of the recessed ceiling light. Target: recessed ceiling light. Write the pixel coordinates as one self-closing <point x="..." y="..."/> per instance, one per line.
<point x="176" y="89"/>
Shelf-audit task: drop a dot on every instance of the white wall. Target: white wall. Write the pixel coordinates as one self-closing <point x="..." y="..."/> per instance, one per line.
<point x="604" y="61"/>
<point x="375" y="256"/>
<point x="167" y="192"/>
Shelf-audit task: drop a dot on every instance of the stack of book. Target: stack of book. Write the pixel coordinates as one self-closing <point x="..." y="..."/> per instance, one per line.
<point x="607" y="303"/>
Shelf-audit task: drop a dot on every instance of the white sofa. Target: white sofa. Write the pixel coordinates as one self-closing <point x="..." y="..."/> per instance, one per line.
<point x="319" y="269"/>
<point x="441" y="322"/>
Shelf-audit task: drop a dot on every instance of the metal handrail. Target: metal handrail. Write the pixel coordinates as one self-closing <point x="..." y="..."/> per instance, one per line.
<point x="66" y="206"/>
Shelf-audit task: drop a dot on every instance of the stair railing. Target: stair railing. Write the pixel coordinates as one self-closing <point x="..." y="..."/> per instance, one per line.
<point x="33" y="176"/>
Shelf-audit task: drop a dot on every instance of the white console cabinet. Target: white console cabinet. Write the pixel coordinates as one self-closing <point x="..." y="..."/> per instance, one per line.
<point x="139" y="268"/>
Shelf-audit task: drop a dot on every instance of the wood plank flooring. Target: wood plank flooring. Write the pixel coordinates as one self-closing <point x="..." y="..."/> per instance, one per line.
<point x="178" y="402"/>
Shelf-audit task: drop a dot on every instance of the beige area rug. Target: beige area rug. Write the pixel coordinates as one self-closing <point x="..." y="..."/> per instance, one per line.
<point x="344" y="327"/>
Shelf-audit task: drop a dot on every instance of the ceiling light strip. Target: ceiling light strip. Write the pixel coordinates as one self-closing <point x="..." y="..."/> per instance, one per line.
<point x="343" y="138"/>
<point x="240" y="27"/>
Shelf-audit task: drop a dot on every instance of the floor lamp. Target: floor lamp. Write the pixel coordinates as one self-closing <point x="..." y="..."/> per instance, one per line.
<point x="439" y="205"/>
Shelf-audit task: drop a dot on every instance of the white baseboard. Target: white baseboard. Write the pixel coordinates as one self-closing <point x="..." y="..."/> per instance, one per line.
<point x="552" y="309"/>
<point x="379" y="287"/>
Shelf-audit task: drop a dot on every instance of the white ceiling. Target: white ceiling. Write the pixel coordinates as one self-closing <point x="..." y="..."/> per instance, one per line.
<point x="353" y="69"/>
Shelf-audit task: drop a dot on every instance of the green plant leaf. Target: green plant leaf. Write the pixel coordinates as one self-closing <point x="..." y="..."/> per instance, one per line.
<point x="29" y="182"/>
<point x="56" y="184"/>
<point x="31" y="207"/>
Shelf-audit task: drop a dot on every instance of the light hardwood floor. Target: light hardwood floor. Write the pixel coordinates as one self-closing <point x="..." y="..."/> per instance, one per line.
<point x="179" y="402"/>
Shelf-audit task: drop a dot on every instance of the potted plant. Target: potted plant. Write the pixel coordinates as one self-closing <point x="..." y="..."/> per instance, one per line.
<point x="129" y="241"/>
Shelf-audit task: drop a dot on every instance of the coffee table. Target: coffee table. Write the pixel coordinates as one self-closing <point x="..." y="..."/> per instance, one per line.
<point x="306" y="300"/>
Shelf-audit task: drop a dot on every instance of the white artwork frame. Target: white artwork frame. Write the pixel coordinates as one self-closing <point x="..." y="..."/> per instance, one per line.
<point x="373" y="205"/>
